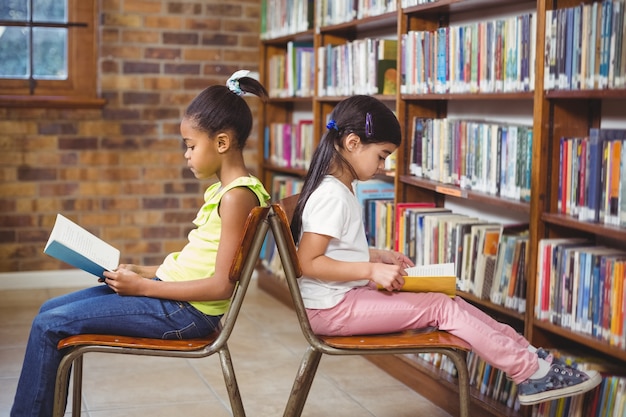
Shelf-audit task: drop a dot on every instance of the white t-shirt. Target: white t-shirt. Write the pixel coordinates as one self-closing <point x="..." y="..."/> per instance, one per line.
<point x="333" y="210"/>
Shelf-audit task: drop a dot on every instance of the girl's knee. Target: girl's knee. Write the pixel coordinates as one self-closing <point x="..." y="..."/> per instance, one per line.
<point x="443" y="299"/>
<point x="47" y="305"/>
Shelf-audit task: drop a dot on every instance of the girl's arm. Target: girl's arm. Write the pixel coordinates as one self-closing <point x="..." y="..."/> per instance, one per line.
<point x="234" y="208"/>
<point x="390" y="257"/>
<point x="143" y="270"/>
<point x="315" y="264"/>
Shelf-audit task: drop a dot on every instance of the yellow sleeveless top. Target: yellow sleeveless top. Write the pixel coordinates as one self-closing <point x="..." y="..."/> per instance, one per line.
<point x="197" y="259"/>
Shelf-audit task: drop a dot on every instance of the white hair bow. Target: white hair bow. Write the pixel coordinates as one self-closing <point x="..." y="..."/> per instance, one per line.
<point x="233" y="82"/>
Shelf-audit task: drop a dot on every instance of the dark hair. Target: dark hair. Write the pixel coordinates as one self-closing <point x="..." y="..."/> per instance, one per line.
<point x="367" y="117"/>
<point x="217" y="108"/>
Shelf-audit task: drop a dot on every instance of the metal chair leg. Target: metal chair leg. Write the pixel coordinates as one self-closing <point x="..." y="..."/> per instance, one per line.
<point x="77" y="388"/>
<point x="458" y="358"/>
<point x="231" y="383"/>
<point x="303" y="382"/>
<point x="62" y="385"/>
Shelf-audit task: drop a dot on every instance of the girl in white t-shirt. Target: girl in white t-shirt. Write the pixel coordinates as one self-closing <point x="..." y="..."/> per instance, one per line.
<point x="341" y="273"/>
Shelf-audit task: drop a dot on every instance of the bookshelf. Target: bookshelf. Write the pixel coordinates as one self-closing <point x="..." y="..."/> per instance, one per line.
<point x="551" y="111"/>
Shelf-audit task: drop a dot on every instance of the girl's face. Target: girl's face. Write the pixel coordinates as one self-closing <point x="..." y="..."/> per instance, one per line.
<point x="367" y="160"/>
<point x="201" y="151"/>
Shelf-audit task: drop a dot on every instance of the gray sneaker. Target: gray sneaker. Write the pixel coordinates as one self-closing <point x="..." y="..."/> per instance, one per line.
<point x="547" y="356"/>
<point x="561" y="381"/>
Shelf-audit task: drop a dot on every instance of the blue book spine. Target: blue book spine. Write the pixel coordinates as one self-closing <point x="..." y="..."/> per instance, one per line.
<point x="60" y="251"/>
<point x="597" y="304"/>
<point x="569" y="48"/>
<point x="427" y="60"/>
<point x="266" y="143"/>
<point x="605" y="39"/>
<point x="576" y="42"/>
<point x="584" y="271"/>
<point x="592" y="297"/>
<point x="586" y="290"/>
<point x="440" y="86"/>
<point x="442" y="59"/>
<point x="594" y="151"/>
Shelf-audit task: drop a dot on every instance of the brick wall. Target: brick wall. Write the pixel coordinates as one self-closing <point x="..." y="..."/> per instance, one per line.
<point x="119" y="171"/>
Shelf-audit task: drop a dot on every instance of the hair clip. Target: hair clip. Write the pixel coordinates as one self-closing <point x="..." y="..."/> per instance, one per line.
<point x="233" y="82"/>
<point x="369" y="128"/>
<point x="332" y="124"/>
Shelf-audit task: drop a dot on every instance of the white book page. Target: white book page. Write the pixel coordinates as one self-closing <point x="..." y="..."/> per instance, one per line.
<point x="85" y="243"/>
<point x="433" y="270"/>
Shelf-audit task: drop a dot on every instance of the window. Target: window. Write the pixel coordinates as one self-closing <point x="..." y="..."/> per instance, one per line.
<point x="48" y="52"/>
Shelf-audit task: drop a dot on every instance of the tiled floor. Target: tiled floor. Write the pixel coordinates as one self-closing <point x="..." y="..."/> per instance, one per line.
<point x="266" y="347"/>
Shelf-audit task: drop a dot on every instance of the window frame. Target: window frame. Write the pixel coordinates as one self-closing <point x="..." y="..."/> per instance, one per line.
<point x="80" y="88"/>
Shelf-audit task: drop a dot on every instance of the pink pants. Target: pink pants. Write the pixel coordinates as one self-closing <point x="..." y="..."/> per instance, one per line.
<point x="365" y="310"/>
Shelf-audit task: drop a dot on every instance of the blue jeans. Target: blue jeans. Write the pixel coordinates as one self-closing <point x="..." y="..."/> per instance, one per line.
<point x="96" y="310"/>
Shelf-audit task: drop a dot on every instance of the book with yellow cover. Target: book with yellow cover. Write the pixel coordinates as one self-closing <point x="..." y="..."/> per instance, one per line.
<point x="431" y="278"/>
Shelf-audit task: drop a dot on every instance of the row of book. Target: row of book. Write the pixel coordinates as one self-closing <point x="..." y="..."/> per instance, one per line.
<point x="292" y="74"/>
<point x="282" y="186"/>
<point x="488" y="57"/>
<point x="492" y="382"/>
<point x="289" y="145"/>
<point x="592" y="176"/>
<point x="363" y="66"/>
<point x="580" y="286"/>
<point x="607" y="400"/>
<point x="585" y="48"/>
<point x="285" y="17"/>
<point x="285" y="186"/>
<point x="486" y="157"/>
<point x="334" y="12"/>
<point x="490" y="259"/>
<point x="487" y="380"/>
<point x="376" y="198"/>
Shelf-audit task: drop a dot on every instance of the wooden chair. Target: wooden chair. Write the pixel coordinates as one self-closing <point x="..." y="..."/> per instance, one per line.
<point x="241" y="271"/>
<point x="394" y="343"/>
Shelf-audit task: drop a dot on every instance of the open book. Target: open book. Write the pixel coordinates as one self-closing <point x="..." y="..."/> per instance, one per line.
<point x="76" y="246"/>
<point x="431" y="278"/>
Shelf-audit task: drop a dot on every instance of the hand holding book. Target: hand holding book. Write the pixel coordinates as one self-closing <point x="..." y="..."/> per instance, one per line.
<point x="430" y="278"/>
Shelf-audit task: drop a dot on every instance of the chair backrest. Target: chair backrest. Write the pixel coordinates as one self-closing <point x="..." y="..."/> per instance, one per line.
<point x="243" y="265"/>
<point x="279" y="224"/>
<point x="256" y="221"/>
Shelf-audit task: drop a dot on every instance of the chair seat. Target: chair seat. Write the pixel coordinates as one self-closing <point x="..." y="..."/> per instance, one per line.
<point x="138" y="342"/>
<point x="408" y="340"/>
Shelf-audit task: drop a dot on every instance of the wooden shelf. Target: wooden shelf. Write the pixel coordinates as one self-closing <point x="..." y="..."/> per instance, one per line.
<point x="337" y="99"/>
<point x="290" y="100"/>
<point x="585" y="94"/>
<point x="454" y="191"/>
<point x="526" y="95"/>
<point x="446" y="7"/>
<point x="282" y="40"/>
<point x="348" y="29"/>
<point x="502" y="313"/>
<point x="284" y="170"/>
<point x="582" y="340"/>
<point x="608" y="231"/>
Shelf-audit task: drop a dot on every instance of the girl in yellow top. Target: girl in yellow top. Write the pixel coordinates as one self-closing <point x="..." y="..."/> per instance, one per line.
<point x="186" y="295"/>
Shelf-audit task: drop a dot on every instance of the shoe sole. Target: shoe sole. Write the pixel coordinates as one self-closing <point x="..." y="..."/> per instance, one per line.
<point x="581" y="388"/>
